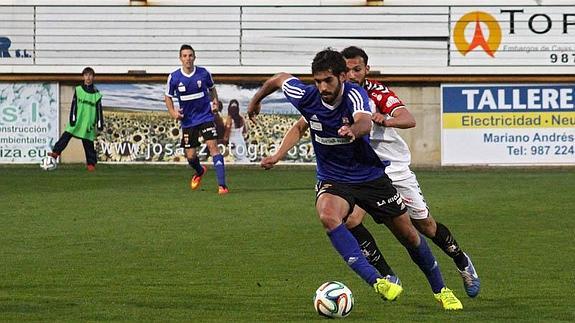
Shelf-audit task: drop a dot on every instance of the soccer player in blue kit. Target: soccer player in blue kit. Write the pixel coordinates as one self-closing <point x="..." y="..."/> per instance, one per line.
<point x="349" y="172"/>
<point x="194" y="88"/>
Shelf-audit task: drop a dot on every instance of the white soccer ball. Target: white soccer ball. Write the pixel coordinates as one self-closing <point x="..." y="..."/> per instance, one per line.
<point x="48" y="163"/>
<point x="333" y="299"/>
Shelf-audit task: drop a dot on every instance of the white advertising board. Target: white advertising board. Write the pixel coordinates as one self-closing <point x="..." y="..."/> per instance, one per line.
<point x="29" y="116"/>
<point x="512" y="36"/>
<point x="508" y="124"/>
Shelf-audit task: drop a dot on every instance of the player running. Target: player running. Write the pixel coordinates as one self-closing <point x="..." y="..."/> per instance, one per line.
<point x="193" y="86"/>
<point x="350" y="173"/>
<point x="390" y="113"/>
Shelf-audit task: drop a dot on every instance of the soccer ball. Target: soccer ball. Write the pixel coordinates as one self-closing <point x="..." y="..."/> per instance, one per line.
<point x="333" y="299"/>
<point x="48" y="163"/>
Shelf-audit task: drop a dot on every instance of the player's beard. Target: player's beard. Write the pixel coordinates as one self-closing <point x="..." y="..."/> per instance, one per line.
<point x="330" y="97"/>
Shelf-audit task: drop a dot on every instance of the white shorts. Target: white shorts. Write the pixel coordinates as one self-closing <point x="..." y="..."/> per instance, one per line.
<point x="408" y="188"/>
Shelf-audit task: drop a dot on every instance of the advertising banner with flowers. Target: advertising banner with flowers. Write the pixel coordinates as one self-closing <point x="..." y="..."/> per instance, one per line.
<point x="138" y="127"/>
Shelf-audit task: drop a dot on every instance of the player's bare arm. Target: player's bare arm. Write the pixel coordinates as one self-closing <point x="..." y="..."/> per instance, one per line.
<point x="270" y="86"/>
<point x="214" y="97"/>
<point x="291" y="138"/>
<point x="401" y="118"/>
<point x="361" y="127"/>
<point x="171" y="109"/>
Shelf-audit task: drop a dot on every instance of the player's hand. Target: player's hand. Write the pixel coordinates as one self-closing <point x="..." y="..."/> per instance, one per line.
<point x="215" y="105"/>
<point x="268" y="162"/>
<point x="378" y="118"/>
<point x="345" y="131"/>
<point x="253" y="111"/>
<point x="177" y="115"/>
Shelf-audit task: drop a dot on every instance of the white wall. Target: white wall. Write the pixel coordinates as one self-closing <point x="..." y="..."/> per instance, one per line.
<point x="402" y="40"/>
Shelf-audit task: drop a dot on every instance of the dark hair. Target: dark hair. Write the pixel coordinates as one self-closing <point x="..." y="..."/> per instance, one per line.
<point x="88" y="70"/>
<point x="352" y="52"/>
<point x="186" y="46"/>
<point x="328" y="60"/>
<point x="234" y="113"/>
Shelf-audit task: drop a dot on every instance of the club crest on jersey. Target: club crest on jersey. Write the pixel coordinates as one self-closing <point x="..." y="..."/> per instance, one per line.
<point x="345" y="121"/>
<point x="181" y="87"/>
<point x="199" y="83"/>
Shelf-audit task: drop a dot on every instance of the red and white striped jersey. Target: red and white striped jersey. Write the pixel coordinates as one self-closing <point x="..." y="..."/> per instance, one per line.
<point x="386" y="141"/>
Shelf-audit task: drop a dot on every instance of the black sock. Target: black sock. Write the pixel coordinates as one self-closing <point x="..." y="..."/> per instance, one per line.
<point x="444" y="240"/>
<point x="370" y="250"/>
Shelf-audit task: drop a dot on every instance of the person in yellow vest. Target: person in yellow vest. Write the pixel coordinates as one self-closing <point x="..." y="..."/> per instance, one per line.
<point x="86" y="119"/>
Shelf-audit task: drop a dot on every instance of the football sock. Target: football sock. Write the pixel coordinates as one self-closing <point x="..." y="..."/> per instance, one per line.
<point x="220" y="169"/>
<point x="346" y="245"/>
<point x="423" y="257"/>
<point x="195" y="164"/>
<point x="369" y="248"/>
<point x="444" y="240"/>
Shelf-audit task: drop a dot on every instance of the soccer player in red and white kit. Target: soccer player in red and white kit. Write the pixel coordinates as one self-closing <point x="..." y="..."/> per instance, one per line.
<point x="391" y="113"/>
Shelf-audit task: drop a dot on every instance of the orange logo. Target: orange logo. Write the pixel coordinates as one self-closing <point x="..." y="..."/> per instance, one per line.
<point x="490" y="45"/>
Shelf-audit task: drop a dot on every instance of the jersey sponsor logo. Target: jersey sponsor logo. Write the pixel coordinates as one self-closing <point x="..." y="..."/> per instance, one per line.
<point x="332" y="141"/>
<point x="181" y="87"/>
<point x="193" y="96"/>
<point x="86" y="102"/>
<point x="315" y="125"/>
<point x="391" y="100"/>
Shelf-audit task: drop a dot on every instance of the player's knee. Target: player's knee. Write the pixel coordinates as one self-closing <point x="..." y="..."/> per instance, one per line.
<point x="355" y="218"/>
<point x="329" y="221"/>
<point x="412" y="238"/>
<point x="329" y="217"/>
<point x="190" y="154"/>
<point x="426" y="226"/>
<point x="213" y="147"/>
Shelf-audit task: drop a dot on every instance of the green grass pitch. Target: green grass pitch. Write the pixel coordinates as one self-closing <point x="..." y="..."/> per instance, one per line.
<point x="133" y="243"/>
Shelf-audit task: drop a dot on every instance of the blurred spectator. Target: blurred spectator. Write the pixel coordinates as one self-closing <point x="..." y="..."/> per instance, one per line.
<point x="236" y="129"/>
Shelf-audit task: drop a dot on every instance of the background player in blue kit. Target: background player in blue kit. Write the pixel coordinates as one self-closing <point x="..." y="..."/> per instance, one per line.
<point x="194" y="88"/>
<point x="349" y="172"/>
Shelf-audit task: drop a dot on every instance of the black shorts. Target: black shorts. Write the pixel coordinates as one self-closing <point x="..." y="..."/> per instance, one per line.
<point x="191" y="135"/>
<point x="378" y="197"/>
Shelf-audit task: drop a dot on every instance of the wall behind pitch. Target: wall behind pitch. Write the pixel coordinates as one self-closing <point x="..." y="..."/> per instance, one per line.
<point x="132" y="124"/>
